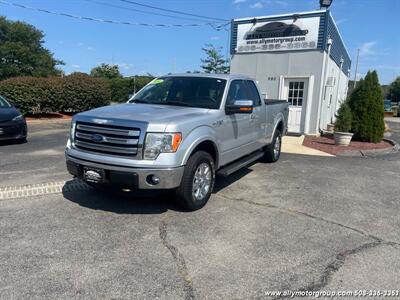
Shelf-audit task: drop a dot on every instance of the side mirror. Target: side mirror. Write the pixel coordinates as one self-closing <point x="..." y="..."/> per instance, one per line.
<point x="17" y="105"/>
<point x="240" y="107"/>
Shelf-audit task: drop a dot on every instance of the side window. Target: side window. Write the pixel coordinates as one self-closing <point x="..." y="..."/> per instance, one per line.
<point x="253" y="93"/>
<point x="237" y="91"/>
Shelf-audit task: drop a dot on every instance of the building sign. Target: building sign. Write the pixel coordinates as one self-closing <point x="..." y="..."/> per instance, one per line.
<point x="283" y="35"/>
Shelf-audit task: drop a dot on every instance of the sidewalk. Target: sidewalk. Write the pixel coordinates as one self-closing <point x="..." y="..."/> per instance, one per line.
<point x="294" y="145"/>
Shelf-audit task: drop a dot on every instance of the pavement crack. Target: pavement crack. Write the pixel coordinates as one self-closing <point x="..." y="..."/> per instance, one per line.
<point x="334" y="266"/>
<point x="179" y="260"/>
<point x="305" y="214"/>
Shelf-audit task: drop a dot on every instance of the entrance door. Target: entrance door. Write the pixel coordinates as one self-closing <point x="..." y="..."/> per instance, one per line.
<point x="295" y="93"/>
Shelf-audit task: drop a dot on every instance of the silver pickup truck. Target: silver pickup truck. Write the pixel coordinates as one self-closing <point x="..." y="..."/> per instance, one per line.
<point x="177" y="133"/>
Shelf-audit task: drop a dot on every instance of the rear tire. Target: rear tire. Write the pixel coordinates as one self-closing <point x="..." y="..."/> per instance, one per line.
<point x="197" y="182"/>
<point x="273" y="151"/>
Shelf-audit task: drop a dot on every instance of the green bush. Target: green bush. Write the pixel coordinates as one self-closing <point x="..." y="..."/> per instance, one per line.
<point x="121" y="88"/>
<point x="343" y="118"/>
<point x="366" y="104"/>
<point x="72" y="93"/>
<point x="82" y="92"/>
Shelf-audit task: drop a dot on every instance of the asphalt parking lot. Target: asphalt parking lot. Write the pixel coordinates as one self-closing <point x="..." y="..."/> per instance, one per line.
<point x="304" y="223"/>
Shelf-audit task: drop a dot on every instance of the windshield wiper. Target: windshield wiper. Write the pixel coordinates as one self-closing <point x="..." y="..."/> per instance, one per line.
<point x="180" y="103"/>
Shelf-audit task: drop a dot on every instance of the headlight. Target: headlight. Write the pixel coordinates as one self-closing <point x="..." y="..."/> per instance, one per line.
<point x="72" y="132"/>
<point x="157" y="143"/>
<point x="18" y="118"/>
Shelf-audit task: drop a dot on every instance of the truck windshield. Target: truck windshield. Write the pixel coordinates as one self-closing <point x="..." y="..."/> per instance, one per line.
<point x="4" y="103"/>
<point x="189" y="91"/>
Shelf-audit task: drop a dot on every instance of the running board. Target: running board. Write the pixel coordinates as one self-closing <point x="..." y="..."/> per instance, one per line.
<point x="237" y="165"/>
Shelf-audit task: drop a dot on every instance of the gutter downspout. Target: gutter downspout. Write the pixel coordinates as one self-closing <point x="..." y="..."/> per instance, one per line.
<point x="337" y="88"/>
<point x="323" y="81"/>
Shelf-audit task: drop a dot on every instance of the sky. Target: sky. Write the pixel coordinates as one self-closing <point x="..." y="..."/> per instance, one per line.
<point x="368" y="25"/>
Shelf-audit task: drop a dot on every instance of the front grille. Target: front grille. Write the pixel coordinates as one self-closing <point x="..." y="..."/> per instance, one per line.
<point x="108" y="139"/>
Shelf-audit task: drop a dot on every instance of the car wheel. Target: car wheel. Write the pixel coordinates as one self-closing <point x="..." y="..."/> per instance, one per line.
<point x="197" y="181"/>
<point x="273" y="151"/>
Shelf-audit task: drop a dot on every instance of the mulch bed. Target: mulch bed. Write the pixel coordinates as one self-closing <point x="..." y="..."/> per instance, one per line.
<point x="48" y="116"/>
<point x="327" y="144"/>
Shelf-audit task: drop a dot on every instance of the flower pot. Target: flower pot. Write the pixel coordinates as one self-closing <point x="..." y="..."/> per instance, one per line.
<point x="342" y="138"/>
<point x="330" y="127"/>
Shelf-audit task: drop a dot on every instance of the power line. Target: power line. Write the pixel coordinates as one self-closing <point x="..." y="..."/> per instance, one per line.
<point x="173" y="11"/>
<point x="216" y="27"/>
<point x="141" y="11"/>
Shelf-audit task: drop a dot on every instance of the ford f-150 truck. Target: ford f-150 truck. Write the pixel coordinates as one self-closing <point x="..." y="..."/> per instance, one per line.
<point x="177" y="133"/>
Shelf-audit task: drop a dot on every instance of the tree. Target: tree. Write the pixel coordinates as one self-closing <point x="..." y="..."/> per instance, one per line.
<point x="366" y="104"/>
<point x="343" y="118"/>
<point x="394" y="90"/>
<point x="22" y="52"/>
<point x="106" y="71"/>
<point x="214" y="61"/>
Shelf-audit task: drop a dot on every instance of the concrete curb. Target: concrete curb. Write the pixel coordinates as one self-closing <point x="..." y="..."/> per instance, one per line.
<point x="38" y="121"/>
<point x="373" y="152"/>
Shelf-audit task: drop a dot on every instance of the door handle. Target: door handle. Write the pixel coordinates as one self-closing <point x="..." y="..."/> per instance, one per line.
<point x="253" y="116"/>
<point x="218" y="123"/>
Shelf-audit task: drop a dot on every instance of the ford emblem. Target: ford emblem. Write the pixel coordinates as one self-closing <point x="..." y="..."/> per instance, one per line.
<point x="97" y="138"/>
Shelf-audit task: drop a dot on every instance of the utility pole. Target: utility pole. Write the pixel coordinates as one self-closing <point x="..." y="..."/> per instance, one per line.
<point x="228" y="46"/>
<point x="355" y="73"/>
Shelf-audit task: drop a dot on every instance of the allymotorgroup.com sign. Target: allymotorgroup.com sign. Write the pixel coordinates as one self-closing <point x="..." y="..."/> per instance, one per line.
<point x="282" y="35"/>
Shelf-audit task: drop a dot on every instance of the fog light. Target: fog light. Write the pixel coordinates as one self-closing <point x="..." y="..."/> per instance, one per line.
<point x="153" y="179"/>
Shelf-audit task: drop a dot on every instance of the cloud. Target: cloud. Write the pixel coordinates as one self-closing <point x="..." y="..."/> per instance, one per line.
<point x="76" y="66"/>
<point x="238" y="1"/>
<point x="340" y="21"/>
<point x="281" y="3"/>
<point x="125" y="66"/>
<point x="263" y="3"/>
<point x="368" y="48"/>
<point x="257" y="5"/>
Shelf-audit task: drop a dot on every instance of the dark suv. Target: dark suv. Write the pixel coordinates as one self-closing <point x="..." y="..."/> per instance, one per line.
<point x="12" y="123"/>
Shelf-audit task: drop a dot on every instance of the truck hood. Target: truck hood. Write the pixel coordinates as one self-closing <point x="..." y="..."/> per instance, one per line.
<point x="150" y="113"/>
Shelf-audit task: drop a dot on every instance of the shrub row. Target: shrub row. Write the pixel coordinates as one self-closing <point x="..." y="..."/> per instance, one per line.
<point x="73" y="93"/>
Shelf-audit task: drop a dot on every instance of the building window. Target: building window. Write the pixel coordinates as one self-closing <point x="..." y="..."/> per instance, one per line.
<point x="296" y="91"/>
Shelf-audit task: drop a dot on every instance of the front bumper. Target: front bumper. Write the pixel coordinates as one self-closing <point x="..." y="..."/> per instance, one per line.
<point x="13" y="130"/>
<point x="129" y="177"/>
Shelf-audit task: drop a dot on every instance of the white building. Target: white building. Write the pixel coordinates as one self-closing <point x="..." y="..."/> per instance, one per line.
<point x="298" y="57"/>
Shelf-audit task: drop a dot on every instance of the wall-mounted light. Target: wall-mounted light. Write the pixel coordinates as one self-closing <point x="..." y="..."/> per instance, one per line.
<point x="325" y="3"/>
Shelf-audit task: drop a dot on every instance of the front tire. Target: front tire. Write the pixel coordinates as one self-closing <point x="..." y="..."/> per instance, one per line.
<point x="273" y="151"/>
<point x="197" y="182"/>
